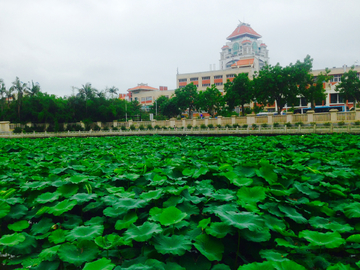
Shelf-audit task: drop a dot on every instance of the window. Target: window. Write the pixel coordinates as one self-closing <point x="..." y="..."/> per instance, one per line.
<point x="181" y="86"/>
<point x="336" y="78"/>
<point x="303" y="101"/>
<point x="230" y="76"/>
<point x="218" y="77"/>
<point x="194" y="79"/>
<point x="319" y="102"/>
<point x="206" y="84"/>
<point x="219" y="83"/>
<point x="143" y="99"/>
<point x="148" y="98"/>
<point x="336" y="98"/>
<point x="182" y="80"/>
<point x="206" y="78"/>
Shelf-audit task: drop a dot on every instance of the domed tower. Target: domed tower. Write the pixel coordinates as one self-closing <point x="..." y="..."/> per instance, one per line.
<point x="243" y="43"/>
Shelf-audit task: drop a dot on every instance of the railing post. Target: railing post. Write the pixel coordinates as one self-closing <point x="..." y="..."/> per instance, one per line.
<point x="357" y="113"/>
<point x="206" y="120"/>
<point x="183" y="120"/>
<point x="333" y="115"/>
<point x="172" y="122"/>
<point x="130" y="123"/>
<point x="289" y="117"/>
<point x="310" y="116"/>
<point x="219" y="120"/>
<point x="115" y="123"/>
<point x="270" y="118"/>
<point x="194" y="122"/>
<point x="233" y="119"/>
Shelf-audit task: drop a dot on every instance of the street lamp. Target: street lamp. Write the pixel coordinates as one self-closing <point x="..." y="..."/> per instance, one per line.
<point x="156" y="107"/>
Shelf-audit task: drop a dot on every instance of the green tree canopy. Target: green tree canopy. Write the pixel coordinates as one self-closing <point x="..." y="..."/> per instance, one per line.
<point x="210" y="100"/>
<point x="349" y="87"/>
<point x="186" y="98"/>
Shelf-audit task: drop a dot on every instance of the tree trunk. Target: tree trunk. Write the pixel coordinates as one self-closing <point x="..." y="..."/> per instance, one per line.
<point x="242" y="110"/>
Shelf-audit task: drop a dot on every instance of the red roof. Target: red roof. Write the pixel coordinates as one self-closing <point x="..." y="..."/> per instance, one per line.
<point x="246" y="41"/>
<point x="142" y="87"/>
<point x="243" y="62"/>
<point x="242" y="30"/>
<point x="225" y="46"/>
<point x="263" y="45"/>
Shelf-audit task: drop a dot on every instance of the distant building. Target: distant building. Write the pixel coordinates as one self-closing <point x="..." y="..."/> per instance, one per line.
<point x="146" y="95"/>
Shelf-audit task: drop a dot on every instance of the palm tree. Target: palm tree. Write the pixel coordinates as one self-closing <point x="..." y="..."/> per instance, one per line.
<point x="113" y="90"/>
<point x="87" y="92"/>
<point x="20" y="88"/>
<point x="2" y="94"/>
<point x="34" y="89"/>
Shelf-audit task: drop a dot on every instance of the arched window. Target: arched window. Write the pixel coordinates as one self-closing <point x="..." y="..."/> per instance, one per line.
<point x="254" y="46"/>
<point x="235" y="47"/>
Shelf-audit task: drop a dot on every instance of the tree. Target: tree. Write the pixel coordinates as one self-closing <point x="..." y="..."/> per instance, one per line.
<point x="169" y="108"/>
<point x="2" y="94"/>
<point x="185" y="98"/>
<point x="34" y="89"/>
<point x="113" y="90"/>
<point x="349" y="87"/>
<point x="20" y="88"/>
<point x="159" y="105"/>
<point x="87" y="92"/>
<point x="239" y="92"/>
<point x="210" y="100"/>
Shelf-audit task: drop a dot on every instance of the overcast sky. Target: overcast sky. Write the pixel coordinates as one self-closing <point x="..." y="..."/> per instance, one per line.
<point x="65" y="43"/>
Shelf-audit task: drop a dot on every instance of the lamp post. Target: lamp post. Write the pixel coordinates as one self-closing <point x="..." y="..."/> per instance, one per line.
<point x="125" y="111"/>
<point x="156" y="107"/>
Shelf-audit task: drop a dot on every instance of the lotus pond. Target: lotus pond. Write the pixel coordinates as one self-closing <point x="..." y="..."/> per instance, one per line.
<point x="285" y="202"/>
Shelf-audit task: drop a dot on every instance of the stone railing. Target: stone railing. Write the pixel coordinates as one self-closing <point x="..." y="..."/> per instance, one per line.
<point x="309" y="118"/>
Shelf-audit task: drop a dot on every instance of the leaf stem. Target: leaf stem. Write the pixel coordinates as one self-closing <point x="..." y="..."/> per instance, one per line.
<point x="237" y="251"/>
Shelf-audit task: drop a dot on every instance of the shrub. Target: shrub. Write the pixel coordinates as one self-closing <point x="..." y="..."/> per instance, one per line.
<point x="149" y="127"/>
<point x="276" y="124"/>
<point x="312" y="123"/>
<point x="39" y="128"/>
<point x="357" y="123"/>
<point x="203" y="126"/>
<point x="97" y="128"/>
<point x="157" y="127"/>
<point x="228" y="126"/>
<point x="141" y="127"/>
<point x="189" y="126"/>
<point x="254" y="126"/>
<point x="264" y="125"/>
<point x="236" y="125"/>
<point x="164" y="128"/>
<point x="17" y="130"/>
<point x="288" y="124"/>
<point x="341" y="123"/>
<point x="115" y="128"/>
<point x="327" y="124"/>
<point x="123" y="128"/>
<point x="219" y="126"/>
<point x="299" y="124"/>
<point x="106" y="128"/>
<point x="50" y="128"/>
<point x="59" y="127"/>
<point x="210" y="126"/>
<point x="132" y="127"/>
<point x="245" y="126"/>
<point x="28" y="129"/>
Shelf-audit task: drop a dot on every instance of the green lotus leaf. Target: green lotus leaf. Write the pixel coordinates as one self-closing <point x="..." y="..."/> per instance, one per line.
<point x="48" y="265"/>
<point x="85" y="233"/>
<point x="329" y="239"/>
<point x="43" y="226"/>
<point x="151" y="195"/>
<point x="114" y="212"/>
<point x="273" y="255"/>
<point x="71" y="221"/>
<point x="292" y="213"/>
<point x="200" y="263"/>
<point x="83" y="197"/>
<point x="236" y="180"/>
<point x="17" y="211"/>
<point x="274" y="223"/>
<point x="24" y="247"/>
<point x="18" y="226"/>
<point x="142" y="233"/>
<point x="128" y="203"/>
<point x="285" y="265"/>
<point x="243" y="220"/>
<point x="340" y="266"/>
<point x="352" y="210"/>
<point x="251" y="195"/>
<point x="61" y="207"/>
<point x="12" y="239"/>
<point x="173" y="266"/>
<point x="77" y="255"/>
<point x="353" y="238"/>
<point x="266" y="171"/>
<point x="29" y="263"/>
<point x="258" y="266"/>
<point x="224" y="195"/>
<point x="211" y="248"/>
<point x="329" y="224"/>
<point x="218" y="229"/>
<point x="95" y="221"/>
<point x="188" y="208"/>
<point x="57" y="236"/>
<point x="115" y="190"/>
<point x="199" y="172"/>
<point x="220" y="267"/>
<point x="171" y="215"/>
<point x="131" y="176"/>
<point x="48" y="254"/>
<point x="188" y="171"/>
<point x="175" y="244"/>
<point x="76" y="179"/>
<point x="108" y="241"/>
<point x="4" y="209"/>
<point x="204" y="223"/>
<point x="102" y="264"/>
<point x="307" y="190"/>
<point x="125" y="223"/>
<point x="68" y="190"/>
<point x="47" y="197"/>
<point x="260" y="235"/>
<point x="284" y="243"/>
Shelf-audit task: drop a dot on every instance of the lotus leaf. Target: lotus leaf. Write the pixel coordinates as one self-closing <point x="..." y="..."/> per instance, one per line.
<point x="4" y="209"/>
<point x="18" y="226"/>
<point x="12" y="239"/>
<point x="62" y="207"/>
<point x="76" y="179"/>
<point x="125" y="223"/>
<point x="102" y="264"/>
<point x="292" y="213"/>
<point x="77" y="255"/>
<point x="251" y="195"/>
<point x="243" y="220"/>
<point x="48" y="254"/>
<point x="218" y="229"/>
<point x="48" y="266"/>
<point x="42" y="226"/>
<point x="58" y="236"/>
<point x="211" y="248"/>
<point x="266" y="171"/>
<point x="144" y="232"/>
<point x="171" y="215"/>
<point x="329" y="239"/>
<point x="175" y="244"/>
<point x="85" y="232"/>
